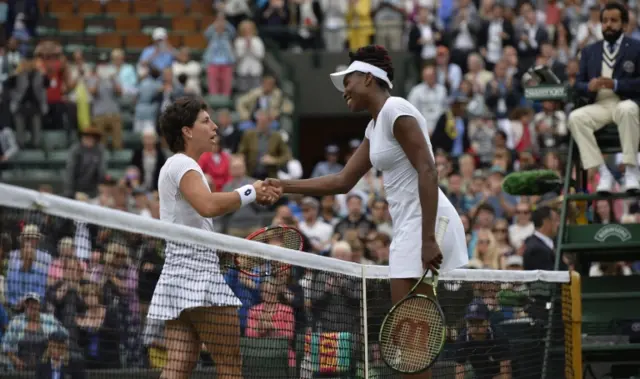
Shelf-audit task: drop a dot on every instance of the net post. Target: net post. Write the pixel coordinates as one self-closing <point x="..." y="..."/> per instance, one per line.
<point x="365" y="321"/>
<point x="572" y="319"/>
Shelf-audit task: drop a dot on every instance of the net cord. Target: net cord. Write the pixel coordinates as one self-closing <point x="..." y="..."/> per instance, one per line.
<point x="27" y="199"/>
<point x="365" y="322"/>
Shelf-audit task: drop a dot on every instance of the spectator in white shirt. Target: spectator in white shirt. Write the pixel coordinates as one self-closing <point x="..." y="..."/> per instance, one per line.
<point x="249" y="50"/>
<point x="429" y="97"/>
<point x="334" y="24"/>
<point x="523" y="227"/>
<point x="183" y="65"/>
<point x="318" y="231"/>
<point x="589" y="31"/>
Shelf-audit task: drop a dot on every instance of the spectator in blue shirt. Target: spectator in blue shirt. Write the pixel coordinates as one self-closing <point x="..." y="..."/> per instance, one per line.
<point x="330" y="165"/>
<point x="28" y="267"/>
<point x="160" y="54"/>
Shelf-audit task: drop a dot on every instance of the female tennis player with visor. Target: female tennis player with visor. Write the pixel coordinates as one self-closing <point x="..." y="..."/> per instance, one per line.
<point x="397" y="143"/>
<point x="192" y="296"/>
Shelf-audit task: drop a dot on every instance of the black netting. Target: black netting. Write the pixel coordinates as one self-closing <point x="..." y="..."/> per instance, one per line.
<point x="89" y="288"/>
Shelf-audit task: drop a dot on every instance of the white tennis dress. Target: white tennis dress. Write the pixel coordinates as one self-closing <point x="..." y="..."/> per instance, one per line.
<point x="191" y="275"/>
<point x="401" y="187"/>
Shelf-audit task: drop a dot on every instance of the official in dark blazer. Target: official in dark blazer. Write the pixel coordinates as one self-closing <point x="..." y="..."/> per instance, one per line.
<point x="539" y="248"/>
<point x="451" y="133"/>
<point x="609" y="77"/>
<point x="57" y="363"/>
<point x="488" y="32"/>
<point x="530" y="36"/>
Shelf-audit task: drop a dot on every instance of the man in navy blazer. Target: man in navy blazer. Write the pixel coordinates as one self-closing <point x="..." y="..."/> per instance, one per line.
<point x="610" y="76"/>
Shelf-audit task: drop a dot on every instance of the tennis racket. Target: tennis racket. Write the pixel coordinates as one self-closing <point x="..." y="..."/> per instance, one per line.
<point x="412" y="334"/>
<point x="278" y="235"/>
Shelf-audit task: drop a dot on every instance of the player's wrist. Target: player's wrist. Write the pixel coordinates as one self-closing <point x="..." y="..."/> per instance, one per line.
<point x="247" y="194"/>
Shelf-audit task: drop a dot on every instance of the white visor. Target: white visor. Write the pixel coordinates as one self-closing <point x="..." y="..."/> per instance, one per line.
<point x="358" y="66"/>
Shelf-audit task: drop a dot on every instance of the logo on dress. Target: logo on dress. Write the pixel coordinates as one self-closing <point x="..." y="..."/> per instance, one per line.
<point x="628" y="66"/>
<point x="617" y="231"/>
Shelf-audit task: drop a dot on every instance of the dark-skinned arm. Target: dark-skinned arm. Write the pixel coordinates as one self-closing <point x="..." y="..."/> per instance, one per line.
<point x="334" y="184"/>
<point x="408" y="134"/>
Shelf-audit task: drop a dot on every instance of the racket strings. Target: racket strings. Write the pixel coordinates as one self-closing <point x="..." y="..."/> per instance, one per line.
<point x="412" y="336"/>
<point x="279" y="236"/>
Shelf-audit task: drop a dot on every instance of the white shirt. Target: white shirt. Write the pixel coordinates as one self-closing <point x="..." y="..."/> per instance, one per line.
<point x="174" y="208"/>
<point x="319" y="232"/>
<point x="519" y="233"/>
<point x="430" y="101"/>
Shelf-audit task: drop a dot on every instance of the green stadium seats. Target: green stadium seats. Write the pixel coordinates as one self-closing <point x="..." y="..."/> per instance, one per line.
<point x="55" y="140"/>
<point x="115" y="174"/>
<point x="120" y="158"/>
<point x="127" y="120"/>
<point x="29" y="158"/>
<point x="151" y="22"/>
<point x="131" y="139"/>
<point x="99" y="23"/>
<point x="219" y="101"/>
<point x="57" y="159"/>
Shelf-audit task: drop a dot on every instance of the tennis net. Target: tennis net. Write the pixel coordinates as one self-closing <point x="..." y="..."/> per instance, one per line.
<point x="88" y="273"/>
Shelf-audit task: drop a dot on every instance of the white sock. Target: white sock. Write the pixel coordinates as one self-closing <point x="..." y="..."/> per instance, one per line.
<point x="632" y="170"/>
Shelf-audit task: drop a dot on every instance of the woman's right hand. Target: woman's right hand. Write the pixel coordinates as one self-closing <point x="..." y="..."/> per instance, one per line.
<point x="265" y="195"/>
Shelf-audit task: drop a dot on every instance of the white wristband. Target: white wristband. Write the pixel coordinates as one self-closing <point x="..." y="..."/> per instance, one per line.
<point x="247" y="194"/>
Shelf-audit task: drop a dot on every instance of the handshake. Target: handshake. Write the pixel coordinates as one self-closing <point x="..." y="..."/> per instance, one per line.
<point x="268" y="191"/>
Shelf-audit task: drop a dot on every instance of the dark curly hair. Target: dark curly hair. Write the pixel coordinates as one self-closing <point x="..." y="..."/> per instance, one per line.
<point x="378" y="56"/>
<point x="182" y="112"/>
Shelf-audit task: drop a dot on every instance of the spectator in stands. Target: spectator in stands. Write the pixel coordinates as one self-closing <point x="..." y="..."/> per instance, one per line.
<point x="539" y="248"/>
<point x="26" y="337"/>
<point x="485" y="251"/>
<point x="355" y="219"/>
<point x="501" y="93"/>
<point x="245" y="220"/>
<point x="150" y="93"/>
<point x="589" y="31"/>
<point x="192" y="69"/>
<point x="480" y="345"/>
<point x="263" y="149"/>
<point x="249" y="52"/>
<point x="429" y="97"/>
<point x="28" y="103"/>
<point x="217" y="165"/>
<point x="124" y="72"/>
<point x="8" y="145"/>
<point x="172" y="88"/>
<point x="86" y="164"/>
<point x="160" y="55"/>
<point x="27" y="268"/>
<point x="307" y="18"/>
<point x="320" y="233"/>
<point x="155" y="343"/>
<point x="267" y="97"/>
<point x="270" y="318"/>
<point x="496" y="33"/>
<point x="57" y="362"/>
<point x="149" y="158"/>
<point x="106" y="92"/>
<point x="549" y="57"/>
<point x="613" y="97"/>
<point x="380" y="215"/>
<point x="379" y="248"/>
<point x="530" y="36"/>
<point x="273" y="18"/>
<point x="99" y="330"/>
<point x="329" y="210"/>
<point x="11" y="58"/>
<point x="501" y="235"/>
<point x="330" y="165"/>
<point x="451" y="130"/>
<point x="388" y="20"/>
<point x="360" y="27"/>
<point x="334" y="24"/>
<point x="423" y="37"/>
<point x="219" y="58"/>
<point x="228" y="133"/>
<point x="478" y="75"/>
<point x="66" y="251"/>
<point x="449" y="74"/>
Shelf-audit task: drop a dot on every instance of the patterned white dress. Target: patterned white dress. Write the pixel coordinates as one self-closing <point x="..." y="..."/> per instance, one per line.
<point x="191" y="275"/>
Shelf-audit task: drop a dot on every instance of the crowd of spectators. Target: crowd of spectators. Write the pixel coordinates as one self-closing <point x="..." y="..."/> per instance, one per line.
<point x="94" y="284"/>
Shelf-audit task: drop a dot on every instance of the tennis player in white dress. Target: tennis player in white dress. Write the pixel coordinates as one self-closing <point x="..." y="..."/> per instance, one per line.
<point x="397" y="143"/>
<point x="192" y="296"/>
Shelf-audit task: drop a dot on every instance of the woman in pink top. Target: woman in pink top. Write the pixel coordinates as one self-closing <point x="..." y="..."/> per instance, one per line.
<point x="216" y="165"/>
<point x="271" y="319"/>
<point x="66" y="250"/>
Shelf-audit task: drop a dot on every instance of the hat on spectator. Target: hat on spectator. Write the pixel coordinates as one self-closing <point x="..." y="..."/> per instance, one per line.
<point x="159" y="34"/>
<point x="309" y="201"/>
<point x="514" y="260"/>
<point x="358" y="66"/>
<point x="477" y="310"/>
<point x="332" y="149"/>
<point x="354" y="143"/>
<point x="92" y="131"/>
<point x="31" y="296"/>
<point x="30" y="231"/>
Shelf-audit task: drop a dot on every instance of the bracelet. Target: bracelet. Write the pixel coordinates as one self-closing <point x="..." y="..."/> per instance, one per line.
<point x="247" y="194"/>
